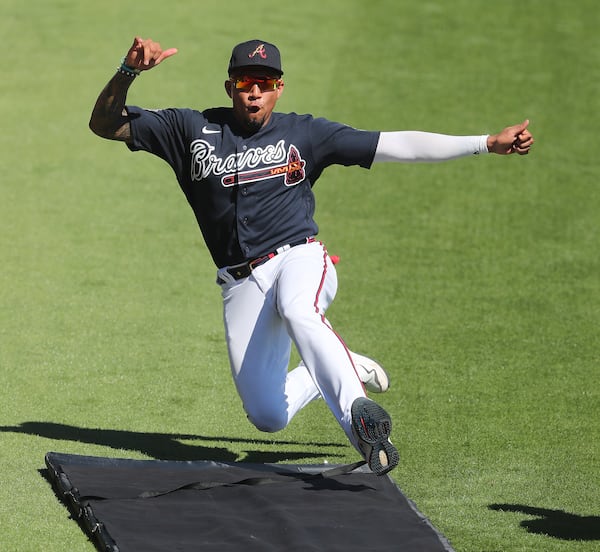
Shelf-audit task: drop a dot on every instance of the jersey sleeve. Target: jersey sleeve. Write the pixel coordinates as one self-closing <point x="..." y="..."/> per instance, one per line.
<point x="339" y="144"/>
<point x="160" y="132"/>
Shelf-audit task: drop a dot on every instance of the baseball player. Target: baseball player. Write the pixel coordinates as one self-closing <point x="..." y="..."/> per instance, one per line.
<point x="247" y="172"/>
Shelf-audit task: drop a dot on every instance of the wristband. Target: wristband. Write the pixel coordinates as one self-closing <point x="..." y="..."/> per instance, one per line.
<point x="483" y="144"/>
<point x="127" y="71"/>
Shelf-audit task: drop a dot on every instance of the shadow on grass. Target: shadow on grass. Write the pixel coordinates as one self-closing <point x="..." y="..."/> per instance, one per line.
<point x="165" y="446"/>
<point x="555" y="523"/>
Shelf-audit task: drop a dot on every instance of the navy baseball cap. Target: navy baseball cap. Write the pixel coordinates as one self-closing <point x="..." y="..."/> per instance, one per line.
<point x="255" y="53"/>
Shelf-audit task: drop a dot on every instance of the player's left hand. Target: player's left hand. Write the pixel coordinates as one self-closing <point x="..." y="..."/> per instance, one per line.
<point x="513" y="139"/>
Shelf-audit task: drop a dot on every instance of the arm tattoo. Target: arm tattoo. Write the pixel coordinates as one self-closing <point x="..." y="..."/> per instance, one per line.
<point x="109" y="117"/>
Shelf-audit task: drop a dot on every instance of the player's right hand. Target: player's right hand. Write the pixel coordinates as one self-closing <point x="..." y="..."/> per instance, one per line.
<point x="146" y="53"/>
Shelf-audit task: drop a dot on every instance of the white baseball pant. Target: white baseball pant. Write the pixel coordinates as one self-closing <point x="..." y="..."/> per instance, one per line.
<point x="285" y="300"/>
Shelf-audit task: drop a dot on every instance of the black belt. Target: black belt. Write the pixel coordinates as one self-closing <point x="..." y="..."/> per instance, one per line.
<point x="243" y="270"/>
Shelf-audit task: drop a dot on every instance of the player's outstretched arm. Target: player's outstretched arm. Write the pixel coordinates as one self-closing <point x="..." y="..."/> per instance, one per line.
<point x="109" y="117"/>
<point x="415" y="146"/>
<point x="513" y="139"/>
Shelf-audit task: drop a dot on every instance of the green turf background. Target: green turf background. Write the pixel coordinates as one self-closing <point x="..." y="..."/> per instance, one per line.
<point x="475" y="282"/>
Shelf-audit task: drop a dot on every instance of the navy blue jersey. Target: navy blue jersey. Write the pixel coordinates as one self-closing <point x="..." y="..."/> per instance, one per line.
<point x="251" y="193"/>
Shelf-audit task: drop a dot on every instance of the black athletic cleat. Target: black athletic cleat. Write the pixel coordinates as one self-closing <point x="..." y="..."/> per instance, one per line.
<point x="372" y="426"/>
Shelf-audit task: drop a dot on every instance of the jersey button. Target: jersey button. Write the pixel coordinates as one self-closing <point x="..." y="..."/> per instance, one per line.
<point x="244" y="190"/>
<point x="245" y="220"/>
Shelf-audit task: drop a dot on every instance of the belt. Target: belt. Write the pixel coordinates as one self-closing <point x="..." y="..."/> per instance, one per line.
<point x="243" y="270"/>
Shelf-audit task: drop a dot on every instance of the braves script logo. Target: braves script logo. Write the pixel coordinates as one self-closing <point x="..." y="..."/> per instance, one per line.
<point x="248" y="166"/>
<point x="260" y="51"/>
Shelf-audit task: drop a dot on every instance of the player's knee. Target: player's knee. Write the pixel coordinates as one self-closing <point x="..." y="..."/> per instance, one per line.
<point x="268" y="420"/>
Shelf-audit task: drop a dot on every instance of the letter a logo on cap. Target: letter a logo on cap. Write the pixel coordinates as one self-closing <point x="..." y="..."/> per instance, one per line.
<point x="255" y="53"/>
<point x="260" y="50"/>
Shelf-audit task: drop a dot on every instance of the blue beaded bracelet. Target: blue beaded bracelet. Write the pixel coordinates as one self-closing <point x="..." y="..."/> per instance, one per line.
<point x="128" y="71"/>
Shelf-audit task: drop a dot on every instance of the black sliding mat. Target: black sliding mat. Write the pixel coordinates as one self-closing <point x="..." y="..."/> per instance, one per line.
<point x="150" y="505"/>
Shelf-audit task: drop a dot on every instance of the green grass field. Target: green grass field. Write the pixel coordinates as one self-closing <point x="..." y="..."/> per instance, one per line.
<point x="475" y="282"/>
